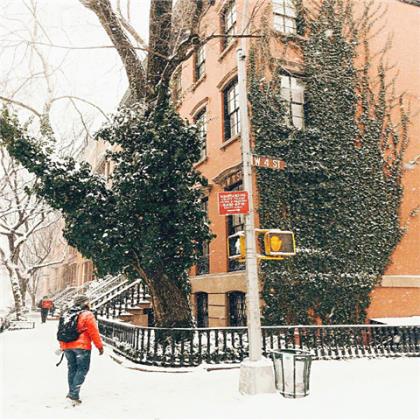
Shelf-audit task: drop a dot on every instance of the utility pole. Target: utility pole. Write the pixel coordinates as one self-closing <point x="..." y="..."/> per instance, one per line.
<point x="256" y="374"/>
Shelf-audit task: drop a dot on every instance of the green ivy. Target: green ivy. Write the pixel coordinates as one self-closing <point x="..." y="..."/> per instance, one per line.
<point x="149" y="223"/>
<point x="341" y="190"/>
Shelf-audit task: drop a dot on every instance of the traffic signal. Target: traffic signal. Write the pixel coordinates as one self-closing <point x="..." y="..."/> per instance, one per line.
<point x="236" y="246"/>
<point x="278" y="243"/>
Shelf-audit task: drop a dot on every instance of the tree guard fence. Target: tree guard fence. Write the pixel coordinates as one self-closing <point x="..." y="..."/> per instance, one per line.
<point x="190" y="347"/>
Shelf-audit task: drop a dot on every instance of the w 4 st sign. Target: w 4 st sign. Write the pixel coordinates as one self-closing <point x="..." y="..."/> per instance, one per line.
<point x="268" y="162"/>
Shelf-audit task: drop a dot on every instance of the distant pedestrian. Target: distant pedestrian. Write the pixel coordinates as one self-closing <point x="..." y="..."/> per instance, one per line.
<point x="52" y="309"/>
<point x="77" y="329"/>
<point x="45" y="304"/>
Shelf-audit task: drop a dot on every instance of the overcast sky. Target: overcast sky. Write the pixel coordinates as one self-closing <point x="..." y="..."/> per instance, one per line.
<point x="96" y="74"/>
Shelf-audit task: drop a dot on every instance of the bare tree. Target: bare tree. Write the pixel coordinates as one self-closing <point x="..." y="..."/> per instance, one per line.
<point x="40" y="90"/>
<point x="22" y="216"/>
<point x="44" y="248"/>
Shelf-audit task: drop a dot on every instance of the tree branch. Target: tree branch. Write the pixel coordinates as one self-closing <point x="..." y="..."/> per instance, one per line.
<point x="128" y="55"/>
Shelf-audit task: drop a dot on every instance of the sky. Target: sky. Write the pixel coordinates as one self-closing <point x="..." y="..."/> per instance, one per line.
<point x="95" y="74"/>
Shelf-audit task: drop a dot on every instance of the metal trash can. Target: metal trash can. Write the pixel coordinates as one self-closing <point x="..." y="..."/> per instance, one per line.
<point x="292" y="369"/>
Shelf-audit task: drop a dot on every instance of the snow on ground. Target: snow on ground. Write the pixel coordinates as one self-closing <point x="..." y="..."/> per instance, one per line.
<point x="33" y="387"/>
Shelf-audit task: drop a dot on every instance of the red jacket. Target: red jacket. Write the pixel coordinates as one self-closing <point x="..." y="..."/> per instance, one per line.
<point x="46" y="303"/>
<point x="86" y="325"/>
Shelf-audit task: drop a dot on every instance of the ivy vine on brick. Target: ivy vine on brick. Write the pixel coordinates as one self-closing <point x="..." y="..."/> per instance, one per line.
<point x="341" y="191"/>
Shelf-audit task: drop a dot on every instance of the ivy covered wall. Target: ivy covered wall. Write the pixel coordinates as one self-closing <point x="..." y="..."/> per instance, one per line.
<point x="341" y="190"/>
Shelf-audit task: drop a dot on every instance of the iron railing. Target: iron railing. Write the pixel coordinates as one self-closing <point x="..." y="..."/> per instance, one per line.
<point x="71" y="291"/>
<point x="120" y="299"/>
<point x="104" y="286"/>
<point x="191" y="347"/>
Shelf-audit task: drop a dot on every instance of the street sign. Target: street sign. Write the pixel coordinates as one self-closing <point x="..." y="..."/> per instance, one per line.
<point x="233" y="202"/>
<point x="268" y="162"/>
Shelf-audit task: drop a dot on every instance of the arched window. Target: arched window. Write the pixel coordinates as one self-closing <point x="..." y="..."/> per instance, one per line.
<point x="237" y="309"/>
<point x="202" y="309"/>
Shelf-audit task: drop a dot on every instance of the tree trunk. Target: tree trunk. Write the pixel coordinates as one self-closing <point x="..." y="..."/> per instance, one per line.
<point x="170" y="303"/>
<point x="17" y="295"/>
<point x="23" y="290"/>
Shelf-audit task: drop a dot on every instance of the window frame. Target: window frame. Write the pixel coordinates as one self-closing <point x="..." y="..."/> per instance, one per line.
<point x="232" y="227"/>
<point x="199" y="63"/>
<point x="202" y="130"/>
<point x="291" y="97"/>
<point x="282" y="16"/>
<point x="229" y="18"/>
<point x="204" y="251"/>
<point x="231" y="117"/>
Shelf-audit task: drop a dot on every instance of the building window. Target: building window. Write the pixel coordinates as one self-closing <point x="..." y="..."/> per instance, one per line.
<point x="237" y="309"/>
<point x="235" y="223"/>
<point x="201" y="123"/>
<point x="203" y="263"/>
<point x="200" y="63"/>
<point x="229" y="23"/>
<point x="292" y="91"/>
<point x="87" y="271"/>
<point x="202" y="309"/>
<point x="284" y="16"/>
<point x="73" y="274"/>
<point x="231" y="110"/>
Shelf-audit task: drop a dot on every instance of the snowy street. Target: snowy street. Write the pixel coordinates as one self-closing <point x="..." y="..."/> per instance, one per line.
<point x="33" y="387"/>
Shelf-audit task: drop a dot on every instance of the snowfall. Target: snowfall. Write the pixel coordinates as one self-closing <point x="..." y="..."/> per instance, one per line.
<point x="32" y="387"/>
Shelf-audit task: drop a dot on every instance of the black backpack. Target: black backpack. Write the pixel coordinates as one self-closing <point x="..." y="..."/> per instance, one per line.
<point x="67" y="326"/>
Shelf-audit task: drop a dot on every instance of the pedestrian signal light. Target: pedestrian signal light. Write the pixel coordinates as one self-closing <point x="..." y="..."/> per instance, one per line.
<point x="236" y="246"/>
<point x="278" y="243"/>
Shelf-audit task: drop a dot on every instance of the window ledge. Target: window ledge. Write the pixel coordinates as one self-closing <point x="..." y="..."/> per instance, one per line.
<point x="289" y="37"/>
<point x="198" y="82"/>
<point x="230" y="141"/>
<point x="201" y="161"/>
<point x="233" y="44"/>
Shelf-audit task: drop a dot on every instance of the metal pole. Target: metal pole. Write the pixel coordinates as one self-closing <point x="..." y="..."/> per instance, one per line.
<point x="256" y="375"/>
<point x="253" y="307"/>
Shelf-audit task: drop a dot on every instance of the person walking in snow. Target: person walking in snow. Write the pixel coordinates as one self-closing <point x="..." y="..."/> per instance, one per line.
<point x="45" y="304"/>
<point x="78" y="351"/>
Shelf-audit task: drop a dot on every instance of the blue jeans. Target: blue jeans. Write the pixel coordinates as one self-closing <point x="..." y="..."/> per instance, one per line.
<point x="78" y="362"/>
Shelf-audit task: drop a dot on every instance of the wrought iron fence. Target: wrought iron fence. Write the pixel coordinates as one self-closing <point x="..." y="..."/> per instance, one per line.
<point x="120" y="298"/>
<point x="191" y="347"/>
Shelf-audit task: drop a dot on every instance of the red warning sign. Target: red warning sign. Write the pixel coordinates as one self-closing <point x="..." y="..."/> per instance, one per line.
<point x="233" y="202"/>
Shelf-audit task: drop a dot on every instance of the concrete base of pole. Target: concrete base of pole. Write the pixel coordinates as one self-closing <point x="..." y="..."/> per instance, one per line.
<point x="257" y="377"/>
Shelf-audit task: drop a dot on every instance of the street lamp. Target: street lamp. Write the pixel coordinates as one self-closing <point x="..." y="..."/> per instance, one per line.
<point x="256" y="373"/>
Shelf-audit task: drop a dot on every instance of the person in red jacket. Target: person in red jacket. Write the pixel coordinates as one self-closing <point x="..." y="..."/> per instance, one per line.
<point x="78" y="352"/>
<point x="45" y="304"/>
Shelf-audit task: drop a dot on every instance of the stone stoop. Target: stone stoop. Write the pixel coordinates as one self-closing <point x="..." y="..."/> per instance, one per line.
<point x="136" y="315"/>
<point x="126" y="317"/>
<point x="139" y="317"/>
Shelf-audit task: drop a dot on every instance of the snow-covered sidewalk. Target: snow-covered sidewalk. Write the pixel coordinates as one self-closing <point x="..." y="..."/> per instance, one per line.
<point x="31" y="386"/>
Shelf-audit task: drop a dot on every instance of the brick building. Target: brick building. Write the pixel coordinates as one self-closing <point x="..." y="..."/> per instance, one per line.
<point x="206" y="92"/>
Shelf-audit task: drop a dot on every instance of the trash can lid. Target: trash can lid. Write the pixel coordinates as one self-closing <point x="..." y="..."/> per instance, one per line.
<point x="294" y="352"/>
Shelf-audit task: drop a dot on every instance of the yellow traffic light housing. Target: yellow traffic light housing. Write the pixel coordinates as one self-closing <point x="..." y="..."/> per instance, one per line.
<point x="273" y="244"/>
<point x="278" y="243"/>
<point x="236" y="246"/>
